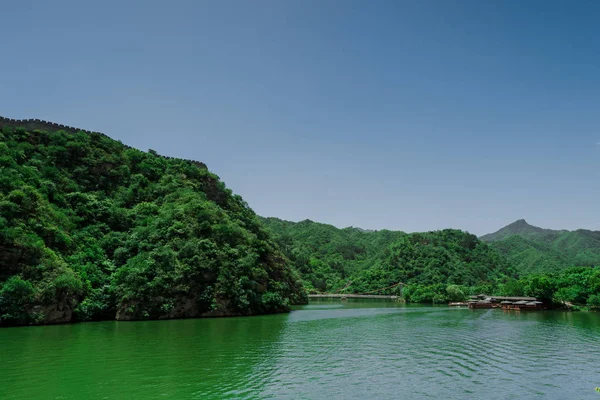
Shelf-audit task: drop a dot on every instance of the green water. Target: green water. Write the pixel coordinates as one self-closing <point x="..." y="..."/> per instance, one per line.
<point x="326" y="350"/>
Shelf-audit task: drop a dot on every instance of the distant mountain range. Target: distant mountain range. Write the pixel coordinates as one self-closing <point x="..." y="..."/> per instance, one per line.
<point x="532" y="249"/>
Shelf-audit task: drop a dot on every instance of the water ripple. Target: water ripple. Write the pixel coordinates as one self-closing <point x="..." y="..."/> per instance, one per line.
<point x="329" y="350"/>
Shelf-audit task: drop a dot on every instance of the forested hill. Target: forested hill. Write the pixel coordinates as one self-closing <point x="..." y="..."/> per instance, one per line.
<point x="326" y="256"/>
<point x="357" y="261"/>
<point x="93" y="229"/>
<point x="533" y="249"/>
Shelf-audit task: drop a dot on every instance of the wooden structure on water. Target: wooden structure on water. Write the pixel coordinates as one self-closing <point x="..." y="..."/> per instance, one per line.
<point x="522" y="305"/>
<point x="365" y="295"/>
<point x="458" y="304"/>
<point x="351" y="296"/>
<point x="508" y="303"/>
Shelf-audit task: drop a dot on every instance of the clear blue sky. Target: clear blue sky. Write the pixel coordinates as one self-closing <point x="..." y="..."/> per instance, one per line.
<point x="409" y="115"/>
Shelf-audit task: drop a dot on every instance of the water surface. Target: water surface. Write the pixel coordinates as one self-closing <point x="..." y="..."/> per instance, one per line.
<point x="358" y="349"/>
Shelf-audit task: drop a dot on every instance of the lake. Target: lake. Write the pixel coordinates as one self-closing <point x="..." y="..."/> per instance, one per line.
<point x="325" y="350"/>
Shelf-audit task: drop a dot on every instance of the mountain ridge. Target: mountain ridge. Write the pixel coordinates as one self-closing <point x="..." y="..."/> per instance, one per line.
<point x="518" y="227"/>
<point x="533" y="249"/>
<point x="33" y="124"/>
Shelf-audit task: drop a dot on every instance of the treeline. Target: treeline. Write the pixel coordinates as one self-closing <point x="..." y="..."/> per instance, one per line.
<point x="434" y="267"/>
<point x="325" y="256"/>
<point x="577" y="287"/>
<point x="90" y="229"/>
<point x="352" y="260"/>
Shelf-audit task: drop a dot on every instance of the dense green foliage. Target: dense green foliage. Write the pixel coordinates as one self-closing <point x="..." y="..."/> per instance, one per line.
<point x="431" y="265"/>
<point x="326" y="256"/>
<point x="557" y="266"/>
<point x="578" y="286"/>
<point x="434" y="267"/>
<point x="535" y="250"/>
<point x="92" y="229"/>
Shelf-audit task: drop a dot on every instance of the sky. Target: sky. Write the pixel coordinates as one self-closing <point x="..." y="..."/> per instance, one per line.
<point x="404" y="115"/>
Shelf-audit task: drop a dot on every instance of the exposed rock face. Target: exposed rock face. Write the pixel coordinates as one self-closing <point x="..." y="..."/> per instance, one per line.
<point x="58" y="313"/>
<point x="186" y="308"/>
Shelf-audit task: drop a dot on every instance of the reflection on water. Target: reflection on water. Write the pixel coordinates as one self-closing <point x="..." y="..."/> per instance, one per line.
<point x="328" y="349"/>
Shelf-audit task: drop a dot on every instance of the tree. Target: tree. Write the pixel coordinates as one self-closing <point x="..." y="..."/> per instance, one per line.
<point x="455" y="293"/>
<point x="541" y="287"/>
<point x="16" y="297"/>
<point x="594" y="301"/>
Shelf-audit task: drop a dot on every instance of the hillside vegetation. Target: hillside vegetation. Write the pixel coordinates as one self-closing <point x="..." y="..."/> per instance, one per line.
<point x="531" y="249"/>
<point x="326" y="256"/>
<point x="352" y="260"/>
<point x="434" y="267"/>
<point x="91" y="229"/>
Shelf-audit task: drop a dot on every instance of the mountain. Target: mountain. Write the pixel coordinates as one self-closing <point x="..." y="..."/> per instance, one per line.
<point x="92" y="229"/>
<point x="325" y="256"/>
<point x="533" y="249"/>
<point x="519" y="227"/>
<point x="330" y="259"/>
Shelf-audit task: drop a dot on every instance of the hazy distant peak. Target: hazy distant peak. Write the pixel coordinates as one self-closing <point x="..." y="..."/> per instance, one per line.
<point x="533" y="249"/>
<point x="519" y="227"/>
